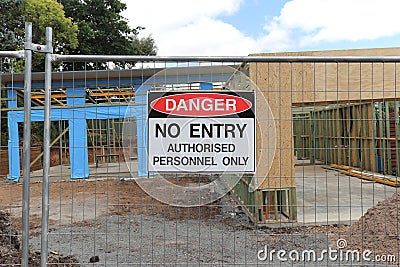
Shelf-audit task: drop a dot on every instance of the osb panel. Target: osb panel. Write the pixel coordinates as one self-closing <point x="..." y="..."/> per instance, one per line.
<point x="277" y="92"/>
<point x="265" y="139"/>
<point x="331" y="82"/>
<point x="287" y="84"/>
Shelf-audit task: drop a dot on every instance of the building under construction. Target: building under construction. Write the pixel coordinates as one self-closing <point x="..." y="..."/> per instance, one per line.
<point x="341" y="115"/>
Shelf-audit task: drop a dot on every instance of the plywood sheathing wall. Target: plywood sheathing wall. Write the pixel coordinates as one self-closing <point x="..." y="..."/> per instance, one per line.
<point x="277" y="92"/>
<point x="303" y="84"/>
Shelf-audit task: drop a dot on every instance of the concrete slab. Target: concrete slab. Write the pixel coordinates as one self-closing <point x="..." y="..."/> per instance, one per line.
<point x="104" y="170"/>
<point x="326" y="196"/>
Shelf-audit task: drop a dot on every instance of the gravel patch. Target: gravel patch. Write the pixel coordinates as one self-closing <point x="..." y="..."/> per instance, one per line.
<point x="153" y="240"/>
<point x="10" y="248"/>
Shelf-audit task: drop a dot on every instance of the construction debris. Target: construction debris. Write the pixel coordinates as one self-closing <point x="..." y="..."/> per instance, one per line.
<point x="10" y="247"/>
<point x="366" y="175"/>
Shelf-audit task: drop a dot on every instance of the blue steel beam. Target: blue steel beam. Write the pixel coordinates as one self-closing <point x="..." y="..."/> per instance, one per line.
<point x="77" y="116"/>
<point x="92" y="112"/>
<point x="129" y="82"/>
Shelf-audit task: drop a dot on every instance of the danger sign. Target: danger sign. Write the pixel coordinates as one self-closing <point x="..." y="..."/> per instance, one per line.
<point x="201" y="131"/>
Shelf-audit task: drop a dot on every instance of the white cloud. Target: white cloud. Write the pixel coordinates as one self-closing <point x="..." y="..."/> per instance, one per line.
<point x="206" y="36"/>
<point x="158" y="15"/>
<point x="182" y="27"/>
<point x="309" y="22"/>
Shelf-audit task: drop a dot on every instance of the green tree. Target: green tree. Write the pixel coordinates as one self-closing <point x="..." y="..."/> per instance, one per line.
<point x="144" y="46"/>
<point x="50" y="13"/>
<point x="103" y="30"/>
<point x="12" y="25"/>
<point x="11" y="32"/>
<point x="42" y="14"/>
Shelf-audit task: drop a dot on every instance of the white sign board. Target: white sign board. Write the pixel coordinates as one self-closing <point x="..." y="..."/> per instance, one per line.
<point x="199" y="131"/>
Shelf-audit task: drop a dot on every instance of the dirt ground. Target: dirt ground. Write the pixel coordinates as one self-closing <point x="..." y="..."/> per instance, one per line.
<point x="81" y="203"/>
<point x="85" y="200"/>
<point x="378" y="229"/>
<point x="115" y="221"/>
<point x="10" y="248"/>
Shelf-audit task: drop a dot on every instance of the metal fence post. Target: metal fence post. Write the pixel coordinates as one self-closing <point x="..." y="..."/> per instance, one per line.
<point x="46" y="150"/>
<point x="26" y="145"/>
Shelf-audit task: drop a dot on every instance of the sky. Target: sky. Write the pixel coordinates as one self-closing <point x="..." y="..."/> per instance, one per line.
<point x="242" y="27"/>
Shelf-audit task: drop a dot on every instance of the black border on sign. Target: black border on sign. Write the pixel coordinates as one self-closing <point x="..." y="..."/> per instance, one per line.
<point x="249" y="113"/>
<point x="235" y="93"/>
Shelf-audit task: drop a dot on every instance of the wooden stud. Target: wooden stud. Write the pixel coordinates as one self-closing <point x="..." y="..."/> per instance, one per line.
<point x="275" y="205"/>
<point x="382" y="143"/>
<point x="388" y="151"/>
<point x="396" y="115"/>
<point x="312" y="139"/>
<point x="325" y="136"/>
<point x="293" y="204"/>
<point x="373" y="144"/>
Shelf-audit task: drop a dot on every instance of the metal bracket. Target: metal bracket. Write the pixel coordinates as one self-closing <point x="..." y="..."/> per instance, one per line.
<point x="38" y="48"/>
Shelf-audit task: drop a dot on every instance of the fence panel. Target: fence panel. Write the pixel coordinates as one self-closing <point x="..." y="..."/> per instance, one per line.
<point x="11" y="195"/>
<point x="327" y="163"/>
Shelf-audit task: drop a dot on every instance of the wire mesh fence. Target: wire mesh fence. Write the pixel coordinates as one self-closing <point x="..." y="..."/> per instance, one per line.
<point x="323" y="191"/>
<point x="11" y="201"/>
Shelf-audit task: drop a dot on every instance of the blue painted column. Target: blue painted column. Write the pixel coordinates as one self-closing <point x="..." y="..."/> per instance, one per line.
<point x="13" y="151"/>
<point x="12" y="99"/>
<point x="141" y="128"/>
<point x="79" y="162"/>
<point x="13" y="140"/>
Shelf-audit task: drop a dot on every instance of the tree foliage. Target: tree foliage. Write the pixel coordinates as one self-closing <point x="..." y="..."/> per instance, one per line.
<point x="104" y="31"/>
<point x="42" y="14"/>
<point x="11" y="25"/>
<point x="102" y="28"/>
<point x="79" y="27"/>
<point x="50" y="13"/>
<point x="144" y="46"/>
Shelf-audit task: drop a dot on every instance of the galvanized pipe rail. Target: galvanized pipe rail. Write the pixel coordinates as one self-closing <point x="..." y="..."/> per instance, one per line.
<point x="244" y="59"/>
<point x="26" y="146"/>
<point x="16" y="54"/>
<point x="46" y="150"/>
